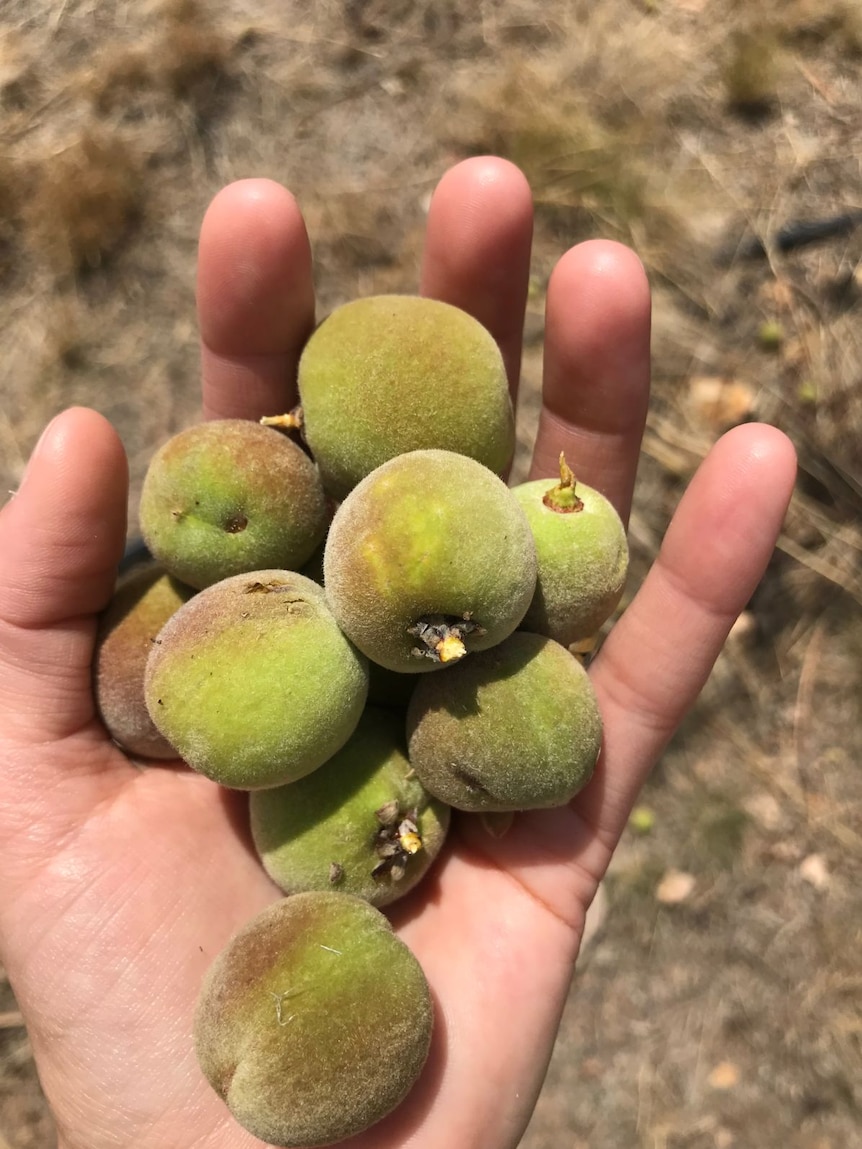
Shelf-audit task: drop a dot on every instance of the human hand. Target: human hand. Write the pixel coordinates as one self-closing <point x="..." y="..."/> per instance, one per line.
<point x="119" y="885"/>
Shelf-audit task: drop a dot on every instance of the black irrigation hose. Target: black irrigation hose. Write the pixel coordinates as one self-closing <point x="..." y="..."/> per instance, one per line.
<point x="800" y="233"/>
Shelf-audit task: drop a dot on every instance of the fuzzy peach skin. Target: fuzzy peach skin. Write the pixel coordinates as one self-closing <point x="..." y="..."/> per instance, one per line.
<point x="118" y="886"/>
<point x="389" y="374"/>
<point x="230" y="496"/>
<point x="429" y="533"/>
<point x="139" y="608"/>
<point x="314" y="1021"/>
<point x="516" y="727"/>
<point x="582" y="557"/>
<point x="326" y="831"/>
<point x="253" y="682"/>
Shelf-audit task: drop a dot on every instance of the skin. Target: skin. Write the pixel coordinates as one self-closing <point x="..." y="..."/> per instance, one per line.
<point x="105" y="947"/>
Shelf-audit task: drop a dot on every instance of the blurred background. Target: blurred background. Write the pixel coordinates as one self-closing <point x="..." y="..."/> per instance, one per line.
<point x="718" y="1002"/>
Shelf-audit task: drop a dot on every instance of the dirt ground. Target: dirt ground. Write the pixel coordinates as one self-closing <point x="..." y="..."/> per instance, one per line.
<point x="718" y="1003"/>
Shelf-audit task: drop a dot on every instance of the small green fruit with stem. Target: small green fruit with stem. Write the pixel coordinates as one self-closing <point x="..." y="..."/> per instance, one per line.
<point x="582" y="557"/>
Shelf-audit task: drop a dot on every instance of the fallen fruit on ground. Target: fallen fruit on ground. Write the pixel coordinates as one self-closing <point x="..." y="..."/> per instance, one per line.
<point x="228" y="497"/>
<point x="389" y="374"/>
<point x="361" y="824"/>
<point x="253" y="682"/>
<point x="429" y="558"/>
<point x="142" y="603"/>
<point x="516" y="727"/>
<point x="582" y="557"/>
<point x="314" y="1022"/>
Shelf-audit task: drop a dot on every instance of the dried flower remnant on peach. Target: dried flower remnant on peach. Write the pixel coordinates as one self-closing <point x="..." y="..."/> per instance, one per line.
<point x="390" y="374"/>
<point x="429" y="558"/>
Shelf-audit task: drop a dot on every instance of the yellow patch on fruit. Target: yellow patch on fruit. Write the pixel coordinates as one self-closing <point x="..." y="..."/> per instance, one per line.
<point x="410" y="842"/>
<point x="450" y="648"/>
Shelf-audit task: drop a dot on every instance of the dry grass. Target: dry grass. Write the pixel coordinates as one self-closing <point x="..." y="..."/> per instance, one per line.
<point x="752" y="71"/>
<point x="84" y="142"/>
<point x="86" y="200"/>
<point x="730" y="1018"/>
<point x="186" y="59"/>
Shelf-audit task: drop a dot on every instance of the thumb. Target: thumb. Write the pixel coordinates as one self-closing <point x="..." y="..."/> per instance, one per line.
<point x="61" y="538"/>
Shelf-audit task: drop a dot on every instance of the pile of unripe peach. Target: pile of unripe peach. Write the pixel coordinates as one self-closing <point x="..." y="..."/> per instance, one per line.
<point x="350" y="615"/>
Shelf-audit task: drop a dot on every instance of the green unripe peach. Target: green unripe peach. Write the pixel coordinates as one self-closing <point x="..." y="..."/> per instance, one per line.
<point x="395" y="373"/>
<point x="362" y="824"/>
<point x="228" y="497"/>
<point x="513" y="728"/>
<point x="428" y="558"/>
<point x="142" y="604"/>
<point x="253" y="682"/>
<point x="314" y="1022"/>
<point x="582" y="557"/>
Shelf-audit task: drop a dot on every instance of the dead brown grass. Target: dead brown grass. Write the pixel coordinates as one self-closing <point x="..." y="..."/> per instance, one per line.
<point x="752" y="71"/>
<point x="186" y="58"/>
<point x="728" y="1019"/>
<point x="87" y="199"/>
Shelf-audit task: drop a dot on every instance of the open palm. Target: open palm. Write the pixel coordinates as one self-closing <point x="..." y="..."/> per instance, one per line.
<point x="119" y="884"/>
